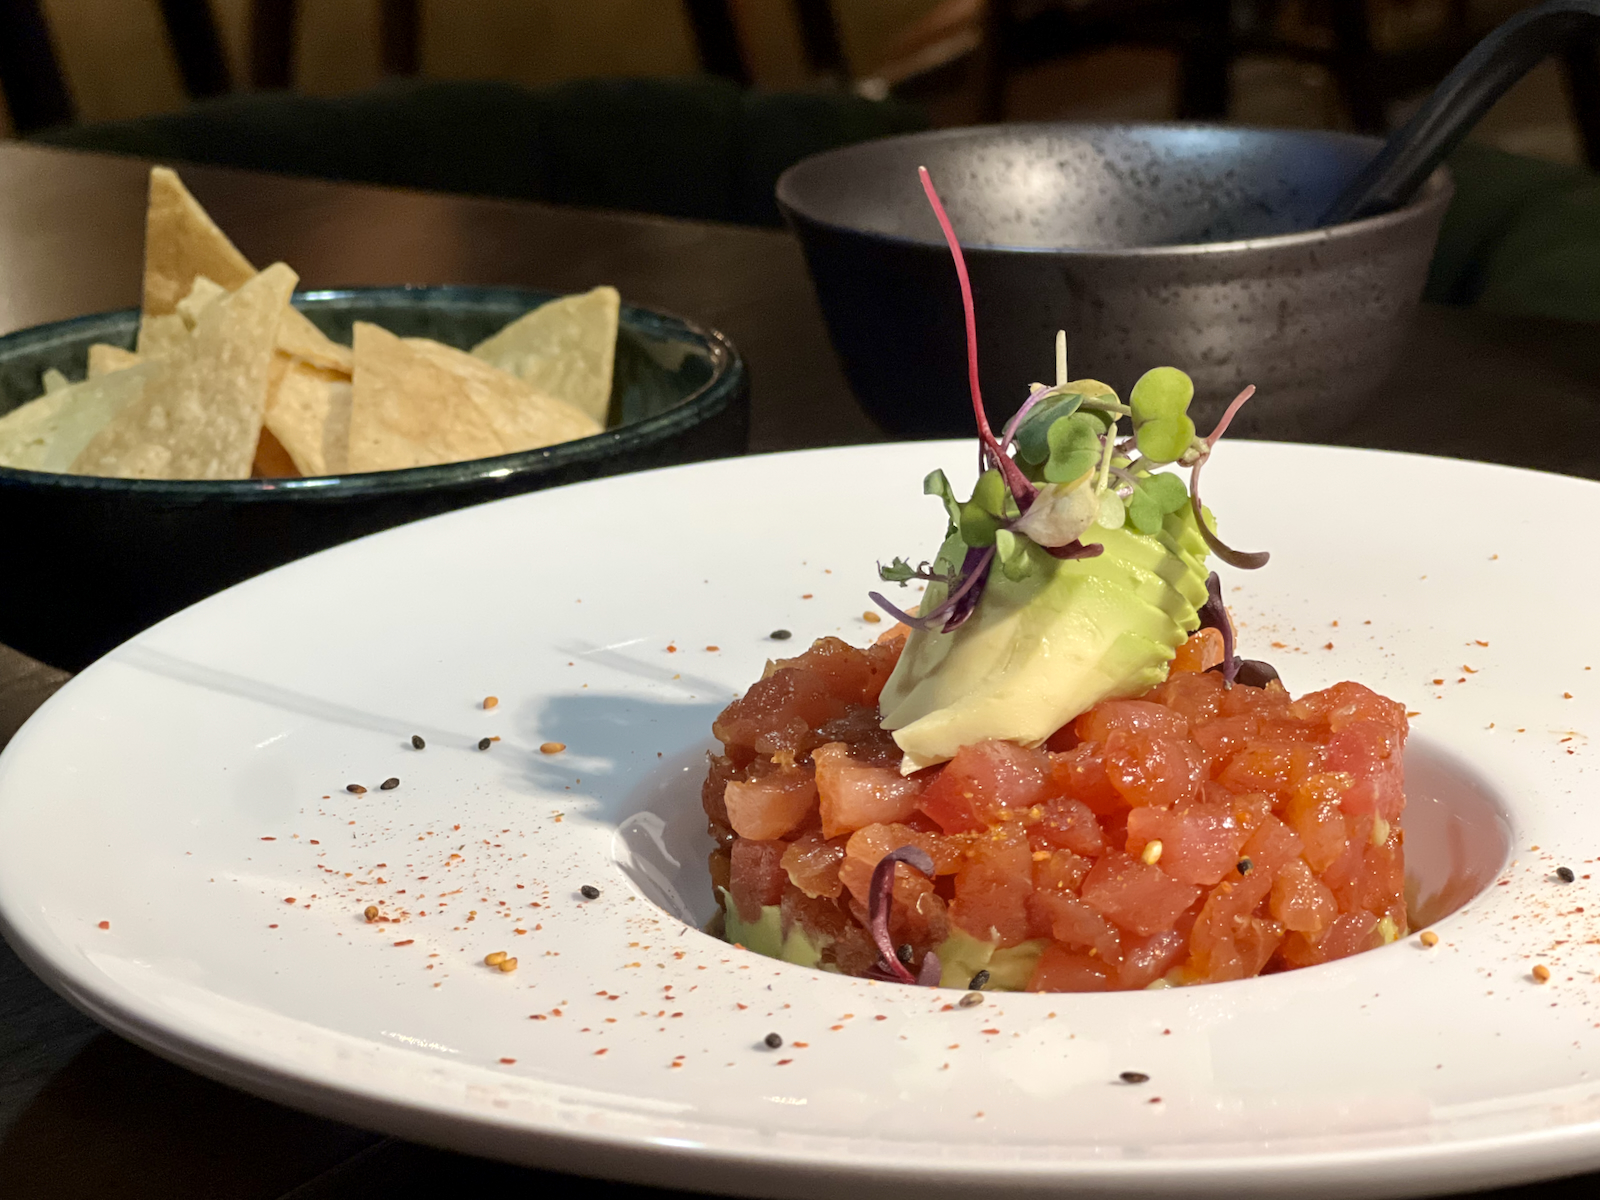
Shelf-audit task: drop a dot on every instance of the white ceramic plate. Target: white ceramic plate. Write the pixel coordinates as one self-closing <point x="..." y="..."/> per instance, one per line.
<point x="182" y="790"/>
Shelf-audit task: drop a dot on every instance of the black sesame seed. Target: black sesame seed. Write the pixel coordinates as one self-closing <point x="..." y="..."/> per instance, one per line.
<point x="1134" y="1077"/>
<point x="772" y="1041"/>
<point x="904" y="951"/>
<point x="970" y="1000"/>
<point x="355" y="789"/>
<point x="1244" y="866"/>
<point x="780" y="635"/>
<point x="417" y="742"/>
<point x="979" y="981"/>
<point x="485" y="743"/>
<point x="390" y="783"/>
<point x="1565" y="874"/>
<point x="589" y="892"/>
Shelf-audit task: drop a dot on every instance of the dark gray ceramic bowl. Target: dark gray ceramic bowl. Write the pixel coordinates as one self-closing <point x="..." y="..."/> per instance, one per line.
<point x="89" y="562"/>
<point x="1183" y="245"/>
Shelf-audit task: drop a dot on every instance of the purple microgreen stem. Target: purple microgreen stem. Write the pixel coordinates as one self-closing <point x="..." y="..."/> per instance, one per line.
<point x="1257" y="674"/>
<point x="1249" y="672"/>
<point x="1022" y="489"/>
<point x="880" y="900"/>
<point x="1245" y="560"/>
<point x="1214" y="615"/>
<point x="899" y="614"/>
<point x="1075" y="549"/>
<point x="1034" y="397"/>
<point x="957" y="606"/>
<point x="1227" y="417"/>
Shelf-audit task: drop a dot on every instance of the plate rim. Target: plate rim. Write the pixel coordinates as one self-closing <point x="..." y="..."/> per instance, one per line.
<point x="1478" y="1163"/>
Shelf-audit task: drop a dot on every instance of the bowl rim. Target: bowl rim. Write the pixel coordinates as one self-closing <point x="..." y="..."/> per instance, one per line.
<point x="1436" y="192"/>
<point x="727" y="378"/>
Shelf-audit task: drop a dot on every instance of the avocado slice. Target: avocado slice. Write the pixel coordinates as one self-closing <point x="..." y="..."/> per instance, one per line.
<point x="765" y="935"/>
<point x="962" y="956"/>
<point x="1039" y="650"/>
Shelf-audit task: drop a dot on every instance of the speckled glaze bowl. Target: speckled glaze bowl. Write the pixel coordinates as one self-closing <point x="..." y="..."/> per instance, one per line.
<point x="89" y="562"/>
<point x="1149" y="244"/>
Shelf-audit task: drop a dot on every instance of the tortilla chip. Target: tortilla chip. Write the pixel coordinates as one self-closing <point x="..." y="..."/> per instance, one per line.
<point x="47" y="434"/>
<point x="523" y="417"/>
<point x="436" y="386"/>
<point x="26" y="430"/>
<point x="202" y="292"/>
<point x="299" y="337"/>
<point x="565" y="348"/>
<point x="200" y="417"/>
<point x="105" y="358"/>
<point x="308" y="413"/>
<point x="160" y="336"/>
<point x="408" y="409"/>
<point x="52" y="380"/>
<point x="180" y="242"/>
<point x="272" y="461"/>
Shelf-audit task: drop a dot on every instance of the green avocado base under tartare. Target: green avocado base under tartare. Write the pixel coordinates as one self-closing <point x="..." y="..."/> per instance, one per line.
<point x="961" y="954"/>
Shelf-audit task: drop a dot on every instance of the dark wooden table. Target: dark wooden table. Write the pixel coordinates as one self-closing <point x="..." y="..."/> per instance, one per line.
<point x="85" y="1114"/>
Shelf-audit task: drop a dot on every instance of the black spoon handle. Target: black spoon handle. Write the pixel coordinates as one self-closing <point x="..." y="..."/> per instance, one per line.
<point x="1448" y="115"/>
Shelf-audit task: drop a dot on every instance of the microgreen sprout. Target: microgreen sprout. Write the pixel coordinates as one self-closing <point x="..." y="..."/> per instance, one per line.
<point x="1243" y="559"/>
<point x="1214" y="615"/>
<point x="880" y="899"/>
<point x="1060" y="467"/>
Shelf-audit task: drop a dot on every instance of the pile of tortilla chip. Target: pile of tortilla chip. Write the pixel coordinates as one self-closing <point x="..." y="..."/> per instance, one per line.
<point x="228" y="380"/>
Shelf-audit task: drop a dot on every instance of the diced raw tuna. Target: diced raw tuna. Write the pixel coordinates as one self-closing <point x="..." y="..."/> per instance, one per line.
<point x="1068" y="824"/>
<point x="1200" y="838"/>
<point x="984" y="783"/>
<point x="866" y="846"/>
<point x="992" y="890"/>
<point x="1135" y="895"/>
<point x="1075" y="925"/>
<point x="771" y="806"/>
<point x="1147" y="768"/>
<point x="1064" y="970"/>
<point x="757" y="876"/>
<point x="812" y="864"/>
<point x="1200" y="833"/>
<point x="854" y="794"/>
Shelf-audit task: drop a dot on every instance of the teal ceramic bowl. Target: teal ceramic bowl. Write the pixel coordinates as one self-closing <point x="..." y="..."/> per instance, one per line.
<point x="90" y="562"/>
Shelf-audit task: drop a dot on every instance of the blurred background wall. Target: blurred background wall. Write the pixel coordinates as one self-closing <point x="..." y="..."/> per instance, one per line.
<point x="117" y="61"/>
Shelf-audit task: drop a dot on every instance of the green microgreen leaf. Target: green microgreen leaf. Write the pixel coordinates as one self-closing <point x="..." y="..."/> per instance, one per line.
<point x="1033" y="444"/>
<point x="1074" y="447"/>
<point x="1112" y="512"/>
<point x="937" y="485"/>
<point x="977" y="524"/>
<point x="1144" y="514"/>
<point x="1153" y="498"/>
<point x="1167" y="491"/>
<point x="1161" y="393"/>
<point x="991" y="505"/>
<point x="1095" y="393"/>
<point x="991" y="493"/>
<point x="899" y="571"/>
<point x="1165" y="439"/>
<point x="1012" y="552"/>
